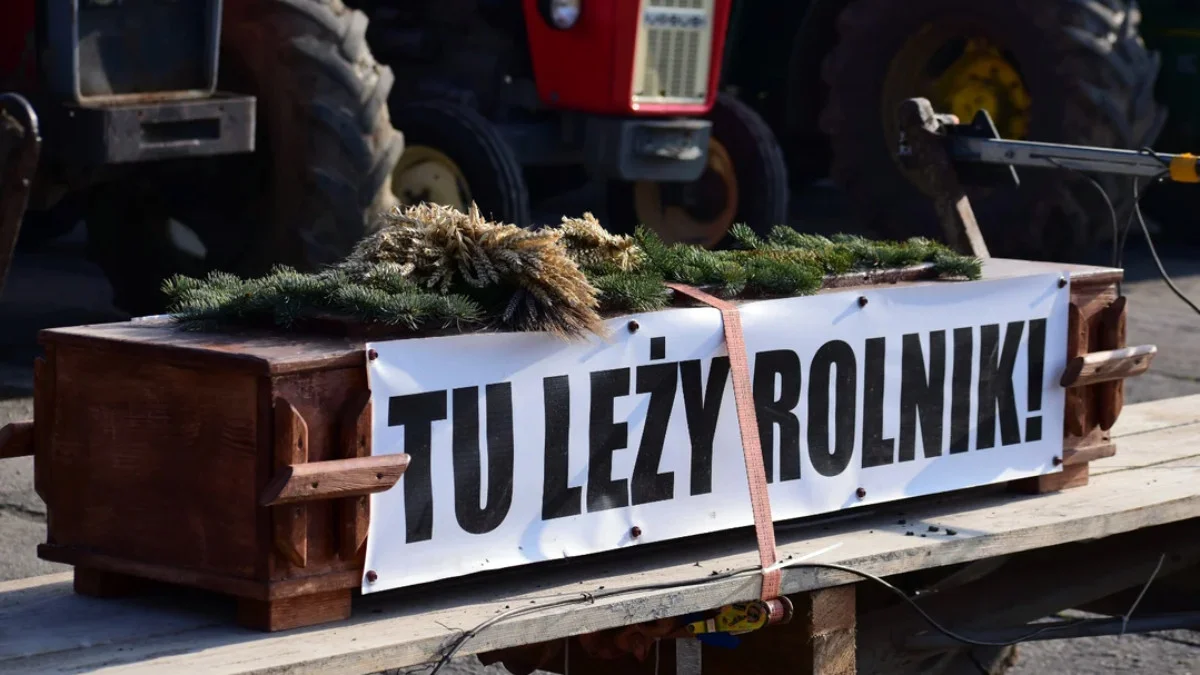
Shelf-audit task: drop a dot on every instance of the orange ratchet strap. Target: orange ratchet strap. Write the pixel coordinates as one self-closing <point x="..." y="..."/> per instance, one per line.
<point x="739" y="369"/>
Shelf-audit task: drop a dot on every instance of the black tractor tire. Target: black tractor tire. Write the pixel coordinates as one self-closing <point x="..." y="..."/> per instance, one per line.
<point x="493" y="176"/>
<point x="43" y="227"/>
<point x="1090" y="80"/>
<point x="318" y="180"/>
<point x="758" y="165"/>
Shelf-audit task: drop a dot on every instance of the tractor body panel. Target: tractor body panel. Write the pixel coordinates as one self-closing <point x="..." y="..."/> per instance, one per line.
<point x="105" y="50"/>
<point x="124" y="81"/>
<point x="630" y="57"/>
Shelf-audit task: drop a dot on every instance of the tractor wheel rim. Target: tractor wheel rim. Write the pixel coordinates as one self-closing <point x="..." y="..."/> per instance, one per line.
<point x="425" y="174"/>
<point x="676" y="221"/>
<point x="961" y="71"/>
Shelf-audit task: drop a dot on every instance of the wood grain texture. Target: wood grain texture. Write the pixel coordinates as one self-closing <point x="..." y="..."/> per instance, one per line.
<point x="321" y="397"/>
<point x="1106" y="366"/>
<point x="334" y="478"/>
<point x="288" y="613"/>
<point x="43" y="411"/>
<point x="1076" y="416"/>
<point x="80" y="558"/>
<point x="355" y="437"/>
<point x="99" y="583"/>
<point x="1025" y="588"/>
<point x="1072" y="476"/>
<point x="16" y="439"/>
<point x="828" y="617"/>
<point x="1111" y="394"/>
<point x="148" y="461"/>
<point x="1083" y="455"/>
<point x="291" y="449"/>
<point x="1150" y="483"/>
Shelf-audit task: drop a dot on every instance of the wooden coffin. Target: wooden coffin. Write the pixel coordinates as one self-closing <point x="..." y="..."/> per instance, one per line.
<point x="230" y="462"/>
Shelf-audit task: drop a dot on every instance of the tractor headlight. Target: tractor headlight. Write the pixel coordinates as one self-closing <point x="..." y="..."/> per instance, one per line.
<point x="562" y="14"/>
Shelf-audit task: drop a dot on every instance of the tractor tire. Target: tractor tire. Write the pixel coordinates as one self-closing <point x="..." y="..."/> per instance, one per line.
<point x="318" y="179"/>
<point x="457" y="157"/>
<point x="1090" y="81"/>
<point x="746" y="174"/>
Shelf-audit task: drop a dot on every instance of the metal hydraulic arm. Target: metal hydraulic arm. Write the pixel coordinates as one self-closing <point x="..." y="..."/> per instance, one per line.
<point x="947" y="156"/>
<point x="967" y="148"/>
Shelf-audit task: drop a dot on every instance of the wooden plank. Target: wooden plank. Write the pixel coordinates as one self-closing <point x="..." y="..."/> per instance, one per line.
<point x="1111" y="395"/>
<point x="288" y="613"/>
<point x="334" y="478"/>
<point x="291" y="448"/>
<point x="124" y="473"/>
<point x="1089" y="453"/>
<point x="322" y="400"/>
<point x="354" y="513"/>
<point x="43" y="412"/>
<point x="1075" y="417"/>
<point x="16" y="439"/>
<point x="829" y="619"/>
<point x="1157" y="415"/>
<point x="247" y="351"/>
<point x="1109" y="365"/>
<point x="413" y="627"/>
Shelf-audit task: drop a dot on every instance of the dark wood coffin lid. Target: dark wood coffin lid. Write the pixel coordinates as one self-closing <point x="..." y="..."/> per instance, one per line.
<point x="267" y="353"/>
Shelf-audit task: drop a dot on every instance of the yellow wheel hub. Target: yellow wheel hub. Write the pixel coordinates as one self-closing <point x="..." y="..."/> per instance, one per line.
<point x="425" y="174"/>
<point x="982" y="79"/>
<point x="700" y="212"/>
<point x="960" y="72"/>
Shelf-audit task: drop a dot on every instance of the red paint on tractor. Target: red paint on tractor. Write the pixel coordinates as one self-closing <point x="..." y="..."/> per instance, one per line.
<point x="16" y="48"/>
<point x="571" y="67"/>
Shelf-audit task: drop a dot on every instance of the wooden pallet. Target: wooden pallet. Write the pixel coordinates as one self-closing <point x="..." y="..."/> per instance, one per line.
<point x="1057" y="550"/>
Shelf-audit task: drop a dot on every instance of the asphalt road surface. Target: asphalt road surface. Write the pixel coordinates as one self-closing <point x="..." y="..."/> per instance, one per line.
<point x="55" y="286"/>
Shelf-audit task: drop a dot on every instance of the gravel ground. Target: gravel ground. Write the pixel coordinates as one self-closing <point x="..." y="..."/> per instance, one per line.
<point x="56" y="287"/>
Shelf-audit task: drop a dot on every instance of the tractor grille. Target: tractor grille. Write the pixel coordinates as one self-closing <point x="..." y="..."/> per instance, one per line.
<point x="674" y="47"/>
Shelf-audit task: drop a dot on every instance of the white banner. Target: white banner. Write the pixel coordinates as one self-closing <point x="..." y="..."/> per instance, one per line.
<point x="528" y="448"/>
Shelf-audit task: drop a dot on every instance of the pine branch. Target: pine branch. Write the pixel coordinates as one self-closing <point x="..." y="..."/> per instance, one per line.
<point x="433" y="266"/>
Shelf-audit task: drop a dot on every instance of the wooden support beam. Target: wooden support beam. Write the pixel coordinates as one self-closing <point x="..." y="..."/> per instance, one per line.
<point x="333" y="479"/>
<point x="1073" y="456"/>
<point x="1114" y="364"/>
<point x="297" y="612"/>
<point x="16" y="439"/>
<point x="291" y="449"/>
<point x="1076" y="414"/>
<point x="355" y="437"/>
<point x="1111" y="395"/>
<point x="828" y="617"/>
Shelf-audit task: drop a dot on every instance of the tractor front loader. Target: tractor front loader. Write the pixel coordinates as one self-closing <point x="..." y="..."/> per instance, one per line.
<point x="258" y="127"/>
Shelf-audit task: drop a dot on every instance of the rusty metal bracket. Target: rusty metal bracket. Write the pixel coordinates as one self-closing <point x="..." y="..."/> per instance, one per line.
<point x="20" y="148"/>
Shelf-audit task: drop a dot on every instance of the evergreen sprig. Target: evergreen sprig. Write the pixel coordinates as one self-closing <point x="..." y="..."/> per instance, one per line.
<point x="433" y="266"/>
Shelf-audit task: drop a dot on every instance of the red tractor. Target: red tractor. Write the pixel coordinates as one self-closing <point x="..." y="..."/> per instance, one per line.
<point x="193" y="135"/>
<point x="500" y="97"/>
<point x="259" y="130"/>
